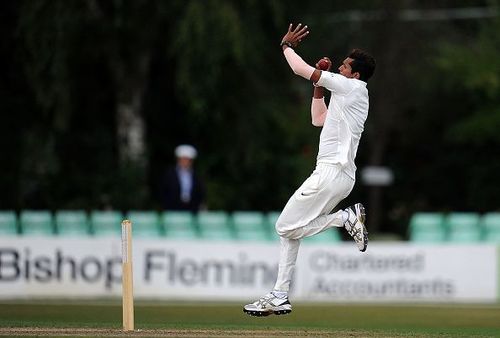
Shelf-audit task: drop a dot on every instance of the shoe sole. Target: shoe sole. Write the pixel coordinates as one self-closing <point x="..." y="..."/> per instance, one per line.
<point x="361" y="214"/>
<point x="266" y="313"/>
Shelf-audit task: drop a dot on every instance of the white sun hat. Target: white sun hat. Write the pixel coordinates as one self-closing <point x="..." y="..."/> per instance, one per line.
<point x="186" y="150"/>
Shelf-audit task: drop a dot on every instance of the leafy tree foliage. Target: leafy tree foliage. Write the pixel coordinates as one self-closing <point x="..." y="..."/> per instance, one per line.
<point x="473" y="70"/>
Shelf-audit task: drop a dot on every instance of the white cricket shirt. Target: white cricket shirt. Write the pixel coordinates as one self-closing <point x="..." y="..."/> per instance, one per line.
<point x="344" y="122"/>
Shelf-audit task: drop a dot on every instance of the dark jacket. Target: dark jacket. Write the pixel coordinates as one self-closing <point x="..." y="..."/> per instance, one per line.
<point x="171" y="192"/>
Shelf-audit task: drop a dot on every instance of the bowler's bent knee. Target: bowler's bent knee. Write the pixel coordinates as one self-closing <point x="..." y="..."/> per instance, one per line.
<point x="283" y="231"/>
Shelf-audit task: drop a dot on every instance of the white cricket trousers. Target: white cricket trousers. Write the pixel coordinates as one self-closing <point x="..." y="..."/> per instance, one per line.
<point x="307" y="213"/>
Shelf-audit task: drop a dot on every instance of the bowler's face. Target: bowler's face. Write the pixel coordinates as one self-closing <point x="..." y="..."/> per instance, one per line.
<point x="346" y="69"/>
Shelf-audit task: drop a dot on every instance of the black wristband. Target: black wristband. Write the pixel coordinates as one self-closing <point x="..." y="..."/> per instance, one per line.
<point x="289" y="44"/>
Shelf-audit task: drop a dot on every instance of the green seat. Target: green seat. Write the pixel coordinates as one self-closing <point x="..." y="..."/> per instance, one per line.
<point x="34" y="222"/>
<point x="8" y="223"/>
<point x="72" y="223"/>
<point x="490" y="224"/>
<point x="250" y="225"/>
<point x="427" y="227"/>
<point x="179" y="224"/>
<point x="214" y="225"/>
<point x="463" y="227"/>
<point x="106" y="223"/>
<point x="145" y="223"/>
<point x="328" y="236"/>
<point x="271" y="218"/>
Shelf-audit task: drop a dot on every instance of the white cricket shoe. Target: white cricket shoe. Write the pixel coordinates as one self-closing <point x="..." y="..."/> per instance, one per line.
<point x="268" y="305"/>
<point x="355" y="225"/>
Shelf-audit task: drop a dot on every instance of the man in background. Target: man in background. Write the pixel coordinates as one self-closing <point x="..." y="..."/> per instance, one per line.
<point x="182" y="189"/>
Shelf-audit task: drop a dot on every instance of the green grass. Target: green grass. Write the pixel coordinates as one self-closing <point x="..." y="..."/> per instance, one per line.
<point x="306" y="320"/>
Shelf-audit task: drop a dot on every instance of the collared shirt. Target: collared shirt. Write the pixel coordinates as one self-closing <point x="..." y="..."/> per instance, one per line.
<point x="344" y="123"/>
<point x="186" y="183"/>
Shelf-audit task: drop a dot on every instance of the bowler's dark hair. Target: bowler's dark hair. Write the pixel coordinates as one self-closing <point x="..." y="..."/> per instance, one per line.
<point x="363" y="63"/>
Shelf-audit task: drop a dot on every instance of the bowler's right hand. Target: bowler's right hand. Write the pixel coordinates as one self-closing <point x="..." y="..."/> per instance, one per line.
<point x="293" y="37"/>
<point x="324" y="64"/>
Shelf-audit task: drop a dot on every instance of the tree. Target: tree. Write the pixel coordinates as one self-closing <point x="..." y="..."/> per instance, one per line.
<point x="471" y="71"/>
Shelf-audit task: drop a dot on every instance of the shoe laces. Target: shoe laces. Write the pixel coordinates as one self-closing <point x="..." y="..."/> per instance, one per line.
<point x="264" y="300"/>
<point x="351" y="226"/>
<point x="353" y="230"/>
<point x="356" y="233"/>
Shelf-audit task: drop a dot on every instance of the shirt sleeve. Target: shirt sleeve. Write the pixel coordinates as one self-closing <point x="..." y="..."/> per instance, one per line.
<point x="336" y="83"/>
<point x="318" y="111"/>
<point x="297" y="64"/>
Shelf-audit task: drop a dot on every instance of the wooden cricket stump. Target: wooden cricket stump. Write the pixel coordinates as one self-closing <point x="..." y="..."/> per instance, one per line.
<point x="127" y="277"/>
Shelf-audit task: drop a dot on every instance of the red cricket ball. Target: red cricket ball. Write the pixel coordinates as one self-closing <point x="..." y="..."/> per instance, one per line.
<point x="323" y="64"/>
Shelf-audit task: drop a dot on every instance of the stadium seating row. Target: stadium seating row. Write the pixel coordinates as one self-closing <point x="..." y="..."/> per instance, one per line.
<point x="456" y="227"/>
<point x="427" y="227"/>
<point x="215" y="225"/>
